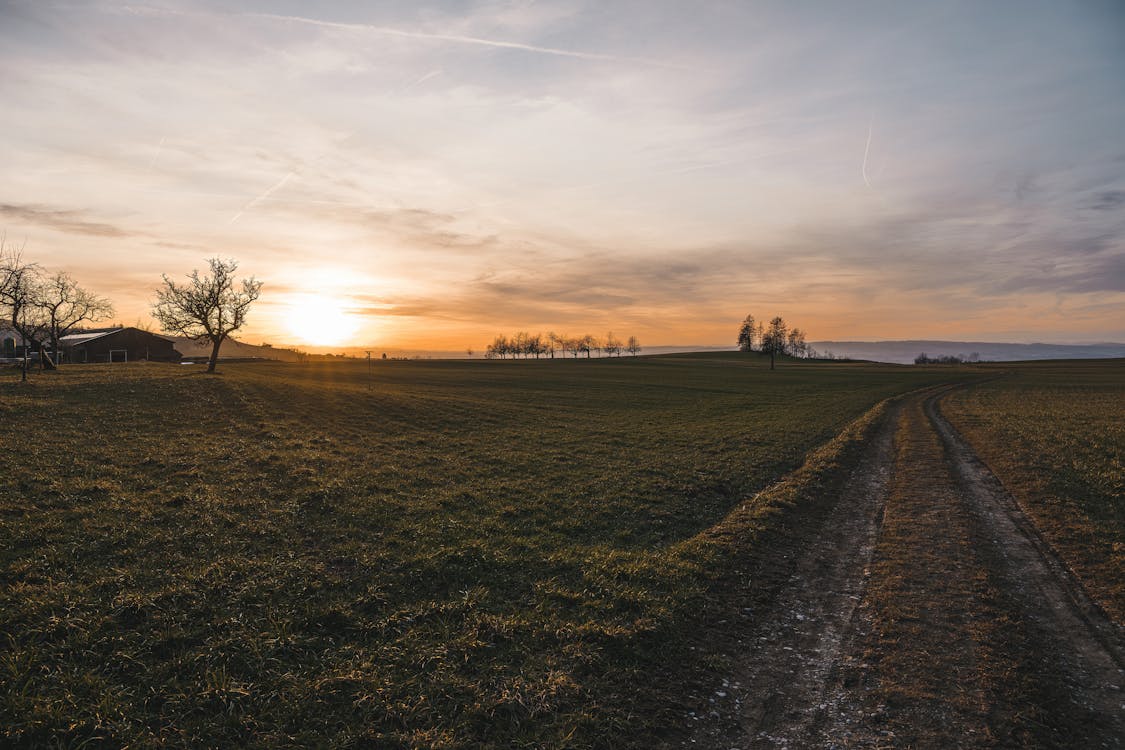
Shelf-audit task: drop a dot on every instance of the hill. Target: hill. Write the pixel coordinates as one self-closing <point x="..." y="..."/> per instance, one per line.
<point x="904" y="352"/>
<point x="233" y="349"/>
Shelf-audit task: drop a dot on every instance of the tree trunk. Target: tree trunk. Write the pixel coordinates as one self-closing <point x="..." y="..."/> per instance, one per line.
<point x="771" y="359"/>
<point x="218" y="341"/>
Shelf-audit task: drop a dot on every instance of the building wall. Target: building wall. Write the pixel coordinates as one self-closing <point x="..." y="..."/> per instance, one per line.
<point x="136" y="343"/>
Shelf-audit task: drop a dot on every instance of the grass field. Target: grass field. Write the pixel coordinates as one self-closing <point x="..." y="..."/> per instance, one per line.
<point x="435" y="554"/>
<point x="1054" y="432"/>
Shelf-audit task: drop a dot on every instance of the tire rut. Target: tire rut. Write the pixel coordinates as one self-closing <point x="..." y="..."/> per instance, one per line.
<point x="782" y="684"/>
<point x="951" y="623"/>
<point x="1072" y="649"/>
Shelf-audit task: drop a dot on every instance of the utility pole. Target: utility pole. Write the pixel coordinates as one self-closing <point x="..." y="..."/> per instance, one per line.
<point x="370" y="379"/>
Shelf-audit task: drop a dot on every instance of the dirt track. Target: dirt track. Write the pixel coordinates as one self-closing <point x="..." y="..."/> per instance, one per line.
<point x="926" y="613"/>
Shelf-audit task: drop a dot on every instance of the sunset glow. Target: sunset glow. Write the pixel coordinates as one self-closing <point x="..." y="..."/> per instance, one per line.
<point x="316" y="320"/>
<point x="659" y="169"/>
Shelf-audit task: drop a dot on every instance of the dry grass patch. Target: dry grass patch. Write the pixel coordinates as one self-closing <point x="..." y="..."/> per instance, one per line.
<point x="1054" y="433"/>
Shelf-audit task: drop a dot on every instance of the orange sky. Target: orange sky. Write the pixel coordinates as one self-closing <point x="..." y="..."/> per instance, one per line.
<point x="426" y="176"/>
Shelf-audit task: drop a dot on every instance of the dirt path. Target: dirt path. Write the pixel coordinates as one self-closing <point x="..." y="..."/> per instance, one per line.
<point x="927" y="613"/>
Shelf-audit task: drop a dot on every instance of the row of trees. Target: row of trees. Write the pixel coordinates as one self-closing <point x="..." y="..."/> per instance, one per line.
<point x="537" y="345"/>
<point x="946" y="359"/>
<point x="43" y="307"/>
<point x="773" y="339"/>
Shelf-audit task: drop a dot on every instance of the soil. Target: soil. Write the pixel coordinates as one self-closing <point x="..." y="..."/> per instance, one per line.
<point x="927" y="612"/>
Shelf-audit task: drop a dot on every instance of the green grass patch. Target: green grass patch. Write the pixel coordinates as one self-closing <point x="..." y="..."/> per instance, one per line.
<point x="426" y="554"/>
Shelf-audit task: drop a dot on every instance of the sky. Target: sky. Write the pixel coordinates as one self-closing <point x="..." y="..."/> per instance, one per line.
<point x="427" y="175"/>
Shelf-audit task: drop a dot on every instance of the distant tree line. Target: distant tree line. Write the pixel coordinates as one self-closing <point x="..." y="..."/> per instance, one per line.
<point x="525" y="345"/>
<point x="946" y="359"/>
<point x="773" y="338"/>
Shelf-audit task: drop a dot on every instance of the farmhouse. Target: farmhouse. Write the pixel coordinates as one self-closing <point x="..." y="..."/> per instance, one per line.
<point x="117" y="345"/>
<point x="11" y="343"/>
<point x="12" y="346"/>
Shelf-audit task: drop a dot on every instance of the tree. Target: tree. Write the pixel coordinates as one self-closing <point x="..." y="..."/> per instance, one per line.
<point x="747" y="333"/>
<point x="774" y="339"/>
<point x="551" y="344"/>
<point x="555" y="343"/>
<point x="207" y="307"/>
<point x="536" y="345"/>
<point x="63" y="305"/>
<point x="796" y="345"/>
<point x="498" y="348"/>
<point x="612" y="345"/>
<point x="19" y="292"/>
<point x="633" y="346"/>
<point x="572" y="345"/>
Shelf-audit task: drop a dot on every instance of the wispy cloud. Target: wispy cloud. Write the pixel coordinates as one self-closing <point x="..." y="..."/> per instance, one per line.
<point x="70" y="221"/>
<point x="1109" y="200"/>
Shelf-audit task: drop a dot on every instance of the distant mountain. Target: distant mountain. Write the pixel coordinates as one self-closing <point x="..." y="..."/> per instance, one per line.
<point x="904" y="352"/>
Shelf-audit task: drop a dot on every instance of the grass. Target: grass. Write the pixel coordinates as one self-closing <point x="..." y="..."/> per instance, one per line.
<point x="435" y="554"/>
<point x="1054" y="432"/>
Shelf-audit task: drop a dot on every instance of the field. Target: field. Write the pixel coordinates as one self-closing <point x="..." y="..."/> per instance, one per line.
<point x="424" y="554"/>
<point x="1054" y="433"/>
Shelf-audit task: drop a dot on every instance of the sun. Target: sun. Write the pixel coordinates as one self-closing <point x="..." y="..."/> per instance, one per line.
<point x="320" y="321"/>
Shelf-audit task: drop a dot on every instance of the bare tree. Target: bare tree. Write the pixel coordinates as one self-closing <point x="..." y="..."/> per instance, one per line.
<point x="572" y="345"/>
<point x="208" y="307"/>
<point x="796" y="345"/>
<point x="552" y="344"/>
<point x="19" y="293"/>
<point x="499" y="348"/>
<point x="633" y="346"/>
<point x="775" y="338"/>
<point x="747" y="333"/>
<point x="63" y="305"/>
<point x="612" y="345"/>
<point x="536" y="345"/>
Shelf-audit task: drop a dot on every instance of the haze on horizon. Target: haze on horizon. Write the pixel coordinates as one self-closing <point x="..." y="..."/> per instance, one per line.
<point x="427" y="175"/>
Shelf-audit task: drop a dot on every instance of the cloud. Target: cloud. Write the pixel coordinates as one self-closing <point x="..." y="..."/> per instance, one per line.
<point x="70" y="221"/>
<point x="1108" y="200"/>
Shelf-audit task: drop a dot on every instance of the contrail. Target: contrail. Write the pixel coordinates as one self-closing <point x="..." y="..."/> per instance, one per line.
<point x="261" y="197"/>
<point x="460" y="39"/>
<point x="456" y="38"/>
<point x="867" y="150"/>
<point x="423" y="79"/>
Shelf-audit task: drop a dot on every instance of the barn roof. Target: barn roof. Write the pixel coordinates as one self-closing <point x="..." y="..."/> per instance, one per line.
<point x="74" y="339"/>
<point x="81" y="338"/>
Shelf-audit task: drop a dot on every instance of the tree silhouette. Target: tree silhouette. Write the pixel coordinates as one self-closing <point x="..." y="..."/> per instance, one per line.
<point x="207" y="307"/>
<point x="19" y="289"/>
<point x="63" y="305"/>
<point x="775" y="339"/>
<point x="747" y="334"/>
